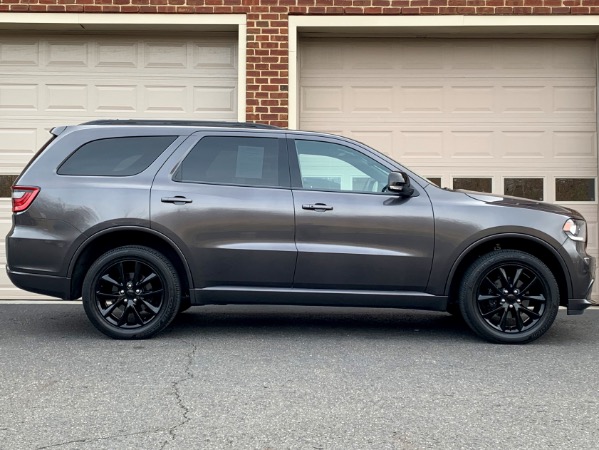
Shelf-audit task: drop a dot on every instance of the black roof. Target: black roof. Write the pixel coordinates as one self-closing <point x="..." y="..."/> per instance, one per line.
<point x="182" y="123"/>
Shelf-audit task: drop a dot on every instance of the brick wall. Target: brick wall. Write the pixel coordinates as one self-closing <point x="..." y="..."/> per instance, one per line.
<point x="267" y="28"/>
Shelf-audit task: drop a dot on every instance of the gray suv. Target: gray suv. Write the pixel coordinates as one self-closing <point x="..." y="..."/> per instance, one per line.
<point x="144" y="219"/>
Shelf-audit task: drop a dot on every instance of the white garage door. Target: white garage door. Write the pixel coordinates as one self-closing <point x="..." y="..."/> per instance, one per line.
<point x="52" y="80"/>
<point x="509" y="116"/>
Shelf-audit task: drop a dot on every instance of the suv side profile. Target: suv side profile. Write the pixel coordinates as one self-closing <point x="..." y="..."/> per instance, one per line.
<point x="143" y="219"/>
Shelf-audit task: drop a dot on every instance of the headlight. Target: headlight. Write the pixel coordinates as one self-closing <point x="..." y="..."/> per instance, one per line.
<point x="575" y="229"/>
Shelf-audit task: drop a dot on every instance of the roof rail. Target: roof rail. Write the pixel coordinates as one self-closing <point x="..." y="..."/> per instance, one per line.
<point x="181" y="123"/>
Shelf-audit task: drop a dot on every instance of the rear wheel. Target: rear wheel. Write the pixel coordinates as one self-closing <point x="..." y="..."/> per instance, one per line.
<point x="131" y="292"/>
<point x="509" y="297"/>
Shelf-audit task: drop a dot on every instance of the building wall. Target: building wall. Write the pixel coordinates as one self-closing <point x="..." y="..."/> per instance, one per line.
<point x="268" y="31"/>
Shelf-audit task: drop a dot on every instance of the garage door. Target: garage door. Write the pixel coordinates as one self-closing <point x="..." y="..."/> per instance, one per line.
<point x="53" y="80"/>
<point x="498" y="115"/>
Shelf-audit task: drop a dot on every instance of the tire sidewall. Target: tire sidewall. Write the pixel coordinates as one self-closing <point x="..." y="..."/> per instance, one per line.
<point x="158" y="263"/>
<point x="475" y="275"/>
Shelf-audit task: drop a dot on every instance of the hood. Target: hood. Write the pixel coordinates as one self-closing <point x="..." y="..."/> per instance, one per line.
<point x="517" y="202"/>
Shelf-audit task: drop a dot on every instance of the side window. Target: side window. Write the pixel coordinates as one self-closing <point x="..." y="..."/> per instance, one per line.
<point x="247" y="161"/>
<point x="116" y="157"/>
<point x="333" y="167"/>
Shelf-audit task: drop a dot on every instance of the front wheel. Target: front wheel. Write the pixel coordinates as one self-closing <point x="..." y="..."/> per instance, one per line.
<point x="509" y="297"/>
<point x="131" y="292"/>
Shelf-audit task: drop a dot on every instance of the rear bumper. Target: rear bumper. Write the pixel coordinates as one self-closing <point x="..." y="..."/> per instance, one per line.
<point x="41" y="284"/>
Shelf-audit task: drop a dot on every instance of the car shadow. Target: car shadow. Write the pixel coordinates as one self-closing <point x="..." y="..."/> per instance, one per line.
<point x="292" y="321"/>
<point x="285" y="322"/>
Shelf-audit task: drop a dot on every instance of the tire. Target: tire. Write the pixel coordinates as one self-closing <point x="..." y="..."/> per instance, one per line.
<point x="131" y="292"/>
<point x="509" y="297"/>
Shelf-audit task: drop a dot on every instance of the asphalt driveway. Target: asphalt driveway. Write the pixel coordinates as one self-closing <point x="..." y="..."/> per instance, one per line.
<point x="293" y="377"/>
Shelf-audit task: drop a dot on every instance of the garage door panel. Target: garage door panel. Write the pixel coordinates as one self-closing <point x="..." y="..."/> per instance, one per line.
<point x="493" y="99"/>
<point x="47" y="81"/>
<point x="459" y="58"/>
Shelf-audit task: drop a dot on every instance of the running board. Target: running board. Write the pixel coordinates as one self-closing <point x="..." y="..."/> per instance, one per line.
<point x="223" y="295"/>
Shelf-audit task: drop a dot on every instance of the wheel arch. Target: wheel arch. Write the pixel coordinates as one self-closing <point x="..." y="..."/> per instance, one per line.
<point x="530" y="244"/>
<point x="110" y="238"/>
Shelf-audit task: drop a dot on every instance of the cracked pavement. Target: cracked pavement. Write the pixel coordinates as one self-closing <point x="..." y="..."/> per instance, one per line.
<point x="267" y="377"/>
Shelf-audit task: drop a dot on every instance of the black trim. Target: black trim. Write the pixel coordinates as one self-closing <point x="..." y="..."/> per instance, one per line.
<point x="41" y="284"/>
<point x="184" y="123"/>
<point x="223" y="295"/>
<point x="576" y="306"/>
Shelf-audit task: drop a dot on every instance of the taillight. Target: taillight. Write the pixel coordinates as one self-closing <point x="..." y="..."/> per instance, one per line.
<point x="23" y="197"/>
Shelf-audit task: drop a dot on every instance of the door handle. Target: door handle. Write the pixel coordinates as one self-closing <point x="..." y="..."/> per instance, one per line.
<point x="317" y="207"/>
<point x="176" y="200"/>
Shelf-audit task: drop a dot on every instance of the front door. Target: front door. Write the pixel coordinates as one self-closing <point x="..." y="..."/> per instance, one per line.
<point x="350" y="234"/>
<point x="226" y="201"/>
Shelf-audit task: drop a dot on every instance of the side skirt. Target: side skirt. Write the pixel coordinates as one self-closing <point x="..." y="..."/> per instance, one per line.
<point x="220" y="295"/>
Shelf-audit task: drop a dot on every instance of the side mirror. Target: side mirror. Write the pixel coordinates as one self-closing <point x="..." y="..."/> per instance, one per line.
<point x="399" y="183"/>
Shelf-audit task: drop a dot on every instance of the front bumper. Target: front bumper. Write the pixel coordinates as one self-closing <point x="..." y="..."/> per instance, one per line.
<point x="577" y="306"/>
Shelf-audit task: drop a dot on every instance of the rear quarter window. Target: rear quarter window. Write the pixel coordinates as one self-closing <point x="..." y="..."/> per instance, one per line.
<point x="116" y="157"/>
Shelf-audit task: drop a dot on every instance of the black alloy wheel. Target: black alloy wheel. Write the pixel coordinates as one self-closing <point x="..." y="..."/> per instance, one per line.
<point x="509" y="296"/>
<point x="131" y="293"/>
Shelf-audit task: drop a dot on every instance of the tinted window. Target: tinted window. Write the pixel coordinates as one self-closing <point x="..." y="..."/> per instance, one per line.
<point x="244" y="161"/>
<point x="474" y="184"/>
<point x="333" y="167"/>
<point x="575" y="189"/>
<point x="116" y="156"/>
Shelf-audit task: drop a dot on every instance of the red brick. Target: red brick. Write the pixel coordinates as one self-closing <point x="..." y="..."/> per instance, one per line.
<point x="504" y="10"/>
<point x="408" y="11"/>
<point x="560" y="10"/>
<point x="579" y="10"/>
<point x="522" y="10"/>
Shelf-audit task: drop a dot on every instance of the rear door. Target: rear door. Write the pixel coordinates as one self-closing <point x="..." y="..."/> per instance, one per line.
<point x="225" y="199"/>
<point x="349" y="234"/>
